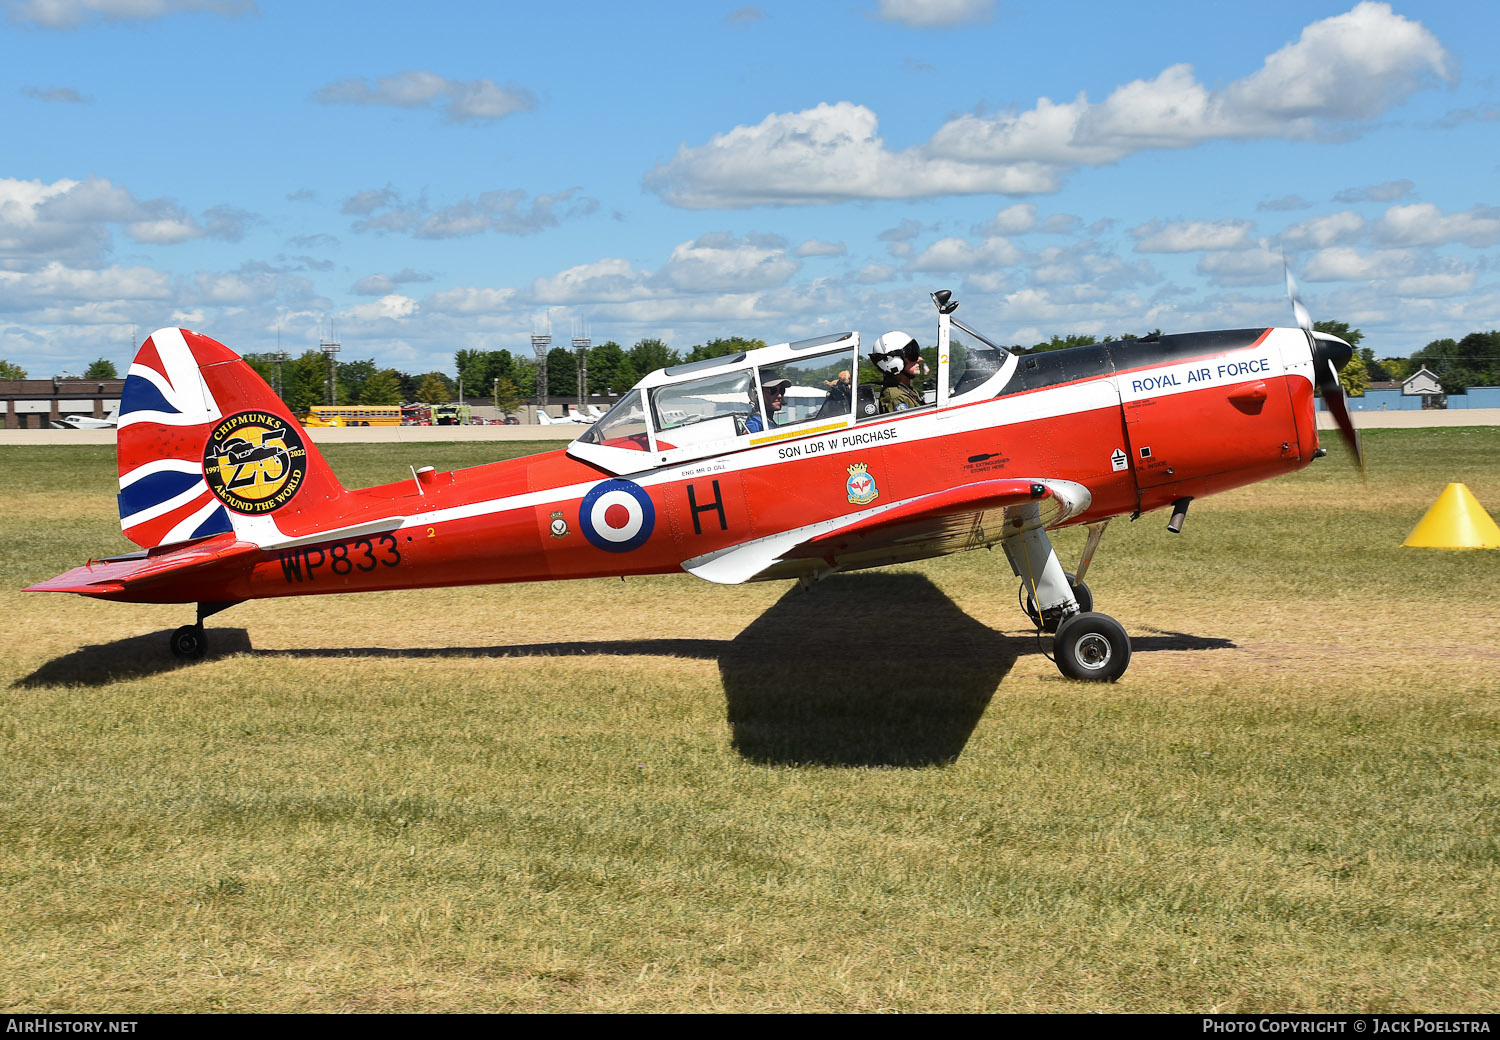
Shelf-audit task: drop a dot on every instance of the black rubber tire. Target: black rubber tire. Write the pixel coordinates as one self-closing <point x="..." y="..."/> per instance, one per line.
<point x="189" y="643"/>
<point x="1081" y="593"/>
<point x="1091" y="648"/>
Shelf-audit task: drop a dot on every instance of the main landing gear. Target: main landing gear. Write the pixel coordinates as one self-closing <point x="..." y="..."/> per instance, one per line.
<point x="188" y="642"/>
<point x="1087" y="646"/>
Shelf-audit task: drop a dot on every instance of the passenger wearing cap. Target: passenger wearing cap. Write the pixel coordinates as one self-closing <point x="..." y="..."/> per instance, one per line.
<point x="897" y="356"/>
<point x="773" y="391"/>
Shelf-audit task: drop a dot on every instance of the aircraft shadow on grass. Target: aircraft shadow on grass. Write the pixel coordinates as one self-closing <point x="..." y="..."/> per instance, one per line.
<point x="870" y="669"/>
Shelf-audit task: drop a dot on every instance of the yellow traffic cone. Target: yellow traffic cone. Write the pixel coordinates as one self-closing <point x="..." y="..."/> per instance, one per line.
<point x="1455" y="521"/>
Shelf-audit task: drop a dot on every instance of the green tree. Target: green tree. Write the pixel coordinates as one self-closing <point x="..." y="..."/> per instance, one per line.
<point x="562" y="373"/>
<point x="1062" y="342"/>
<point x="507" y="395"/>
<point x="304" y="381"/>
<point x="10" y="370"/>
<point x="352" y="376"/>
<point x="1340" y="329"/>
<point x="1397" y="368"/>
<point x="384" y="387"/>
<point x="650" y="354"/>
<point x="436" y="388"/>
<point x="1471" y="361"/>
<point x="1354" y="378"/>
<point x="1374" y="370"/>
<point x="720" y="347"/>
<point x="610" y="368"/>
<point x="102" y="369"/>
<point x="265" y="369"/>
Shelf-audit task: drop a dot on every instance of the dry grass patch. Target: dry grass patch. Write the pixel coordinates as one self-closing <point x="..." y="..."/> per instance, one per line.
<point x="666" y="795"/>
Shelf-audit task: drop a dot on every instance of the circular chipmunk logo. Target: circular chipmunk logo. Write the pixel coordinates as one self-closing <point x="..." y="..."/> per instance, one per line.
<point x="254" y="462"/>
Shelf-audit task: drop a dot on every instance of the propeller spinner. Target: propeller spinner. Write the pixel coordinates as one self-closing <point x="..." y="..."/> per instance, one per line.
<point x="1329" y="354"/>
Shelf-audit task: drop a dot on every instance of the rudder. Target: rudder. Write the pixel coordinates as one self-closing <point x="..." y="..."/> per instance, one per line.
<point x="206" y="447"/>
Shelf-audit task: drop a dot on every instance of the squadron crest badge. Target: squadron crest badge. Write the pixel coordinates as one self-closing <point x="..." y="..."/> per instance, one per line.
<point x="254" y="462"/>
<point x="559" y="525"/>
<point x="861" y="486"/>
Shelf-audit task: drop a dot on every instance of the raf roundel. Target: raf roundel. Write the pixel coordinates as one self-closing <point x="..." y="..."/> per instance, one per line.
<point x="617" y="516"/>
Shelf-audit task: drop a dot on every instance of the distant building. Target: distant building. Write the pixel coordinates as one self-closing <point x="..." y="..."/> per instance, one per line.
<point x="36" y="403"/>
<point x="1422" y="382"/>
<point x="1421" y="389"/>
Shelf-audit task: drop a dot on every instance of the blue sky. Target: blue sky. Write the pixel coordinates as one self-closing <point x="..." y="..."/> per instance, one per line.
<point x="455" y="175"/>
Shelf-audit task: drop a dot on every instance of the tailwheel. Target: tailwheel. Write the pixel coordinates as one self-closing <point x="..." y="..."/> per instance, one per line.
<point x="1091" y="647"/>
<point x="1048" y="622"/>
<point x="189" y="643"/>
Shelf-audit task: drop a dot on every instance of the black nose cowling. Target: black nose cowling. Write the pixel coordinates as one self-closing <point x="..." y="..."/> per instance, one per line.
<point x="1327" y="347"/>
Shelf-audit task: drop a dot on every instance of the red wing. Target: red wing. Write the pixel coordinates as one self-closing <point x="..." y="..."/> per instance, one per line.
<point x="965" y="517"/>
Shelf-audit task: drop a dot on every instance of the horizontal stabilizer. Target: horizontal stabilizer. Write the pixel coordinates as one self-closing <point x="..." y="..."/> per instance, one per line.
<point x="135" y="573"/>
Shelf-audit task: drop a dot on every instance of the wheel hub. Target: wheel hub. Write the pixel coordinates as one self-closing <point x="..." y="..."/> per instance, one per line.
<point x="1094" y="651"/>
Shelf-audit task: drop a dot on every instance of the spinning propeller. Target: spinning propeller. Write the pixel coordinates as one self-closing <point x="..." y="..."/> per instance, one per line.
<point x="1329" y="354"/>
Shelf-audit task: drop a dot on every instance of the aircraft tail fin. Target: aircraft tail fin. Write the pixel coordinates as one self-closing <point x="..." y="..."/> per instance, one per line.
<point x="206" y="447"/>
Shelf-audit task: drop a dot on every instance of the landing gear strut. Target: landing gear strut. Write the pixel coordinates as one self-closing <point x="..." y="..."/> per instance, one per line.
<point x="1049" y="621"/>
<point x="1088" y="646"/>
<point x="188" y="642"/>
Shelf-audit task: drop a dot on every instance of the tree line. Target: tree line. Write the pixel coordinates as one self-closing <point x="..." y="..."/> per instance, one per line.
<point x="508" y="378"/>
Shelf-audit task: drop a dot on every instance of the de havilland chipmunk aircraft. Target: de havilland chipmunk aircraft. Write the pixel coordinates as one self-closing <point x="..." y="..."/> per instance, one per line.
<point x="775" y="463"/>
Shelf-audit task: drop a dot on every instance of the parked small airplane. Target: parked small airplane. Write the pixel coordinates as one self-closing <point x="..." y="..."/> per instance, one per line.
<point x="573" y="417"/>
<point x="88" y="422"/>
<point x="700" y="468"/>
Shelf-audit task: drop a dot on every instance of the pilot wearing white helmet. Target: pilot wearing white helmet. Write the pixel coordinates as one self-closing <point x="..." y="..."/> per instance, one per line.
<point x="898" y="358"/>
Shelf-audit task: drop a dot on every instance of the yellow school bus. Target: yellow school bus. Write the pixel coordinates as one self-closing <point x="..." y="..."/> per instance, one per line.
<point x="354" y="415"/>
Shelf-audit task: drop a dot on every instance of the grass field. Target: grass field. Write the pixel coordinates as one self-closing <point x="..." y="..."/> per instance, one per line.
<point x="664" y="795"/>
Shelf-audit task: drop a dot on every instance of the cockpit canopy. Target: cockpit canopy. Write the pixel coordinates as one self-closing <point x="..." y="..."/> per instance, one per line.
<point x="769" y="395"/>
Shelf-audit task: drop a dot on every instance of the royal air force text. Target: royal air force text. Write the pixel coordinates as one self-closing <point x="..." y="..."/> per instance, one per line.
<point x="1206" y="374"/>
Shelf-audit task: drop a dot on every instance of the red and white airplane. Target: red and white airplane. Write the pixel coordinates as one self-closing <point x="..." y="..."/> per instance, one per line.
<point x="696" y="469"/>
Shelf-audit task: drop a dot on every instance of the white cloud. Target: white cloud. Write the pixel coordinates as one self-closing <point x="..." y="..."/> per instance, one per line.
<point x="1083" y="265"/>
<point x="385" y="284"/>
<point x="610" y="279"/>
<point x="471" y="301"/>
<point x="393" y="308"/>
<point x="825" y="154"/>
<point x="873" y="274"/>
<point x="68" y="220"/>
<point x="1285" y="203"/>
<point x="718" y="262"/>
<point x="1435" y="286"/>
<point x="1319" y="232"/>
<point x="936" y="14"/>
<point x="1343" y="264"/>
<point x="1013" y="220"/>
<point x="817" y="247"/>
<point x="1190" y="236"/>
<point x="956" y="254"/>
<point x="1390" y="191"/>
<point x="70" y="14"/>
<point x="1342" y="70"/>
<point x="472" y="101"/>
<point x="1256" y="265"/>
<point x="505" y="212"/>
<point x="1423" y="224"/>
<point x="55" y="281"/>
